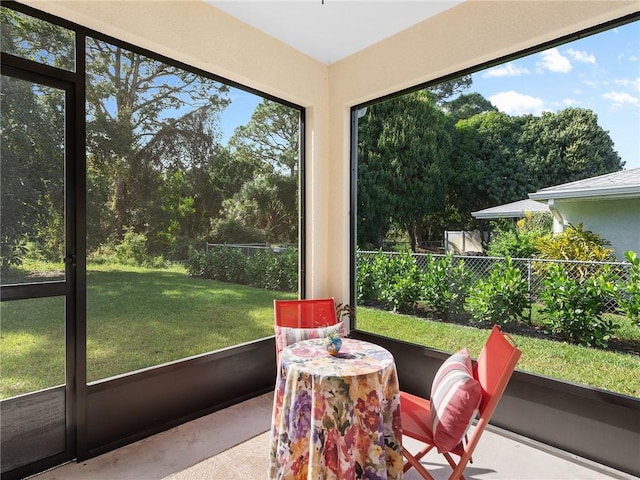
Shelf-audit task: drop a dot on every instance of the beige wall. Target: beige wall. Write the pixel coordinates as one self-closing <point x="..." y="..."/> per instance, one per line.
<point x="464" y="36"/>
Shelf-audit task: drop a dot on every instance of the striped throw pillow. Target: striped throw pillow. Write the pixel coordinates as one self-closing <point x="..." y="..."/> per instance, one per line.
<point x="455" y="398"/>
<point x="286" y="335"/>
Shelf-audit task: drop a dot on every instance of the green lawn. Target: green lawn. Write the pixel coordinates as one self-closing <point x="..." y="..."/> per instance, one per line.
<point x="141" y="317"/>
<point x="608" y="370"/>
<point x="136" y="318"/>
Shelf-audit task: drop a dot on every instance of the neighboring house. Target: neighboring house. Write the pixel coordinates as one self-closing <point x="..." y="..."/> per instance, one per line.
<point x="511" y="210"/>
<point x="608" y="205"/>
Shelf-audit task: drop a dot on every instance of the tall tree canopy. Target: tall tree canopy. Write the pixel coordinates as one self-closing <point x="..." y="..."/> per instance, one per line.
<point x="409" y="145"/>
<point x="32" y="170"/>
<point x="467" y="105"/>
<point x="269" y="202"/>
<point x="489" y="169"/>
<point x="271" y="139"/>
<point x="132" y="102"/>
<point x="566" y="146"/>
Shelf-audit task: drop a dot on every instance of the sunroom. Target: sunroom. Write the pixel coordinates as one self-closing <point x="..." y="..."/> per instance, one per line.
<point x="87" y="411"/>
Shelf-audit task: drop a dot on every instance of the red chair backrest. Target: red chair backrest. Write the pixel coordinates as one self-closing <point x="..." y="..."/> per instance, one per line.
<point x="494" y="367"/>
<point x="308" y="313"/>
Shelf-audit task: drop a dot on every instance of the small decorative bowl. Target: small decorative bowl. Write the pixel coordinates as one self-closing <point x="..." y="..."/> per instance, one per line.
<point x="333" y="344"/>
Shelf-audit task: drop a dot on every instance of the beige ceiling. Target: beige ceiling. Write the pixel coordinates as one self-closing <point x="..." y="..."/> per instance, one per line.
<point x="331" y="30"/>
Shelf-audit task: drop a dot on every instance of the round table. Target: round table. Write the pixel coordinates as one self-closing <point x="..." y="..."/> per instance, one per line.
<point x="336" y="417"/>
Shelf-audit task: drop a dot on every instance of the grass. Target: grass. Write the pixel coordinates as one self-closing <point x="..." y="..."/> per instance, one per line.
<point x="603" y="369"/>
<point x="138" y="317"/>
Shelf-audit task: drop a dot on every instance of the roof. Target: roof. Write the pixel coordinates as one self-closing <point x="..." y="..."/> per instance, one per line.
<point x="622" y="184"/>
<point x="511" y="210"/>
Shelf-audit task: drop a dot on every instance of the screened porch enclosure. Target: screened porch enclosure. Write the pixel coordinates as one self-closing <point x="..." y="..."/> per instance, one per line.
<point x="81" y="416"/>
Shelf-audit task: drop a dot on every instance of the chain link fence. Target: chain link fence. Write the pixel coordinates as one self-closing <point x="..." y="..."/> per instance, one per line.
<point x="533" y="269"/>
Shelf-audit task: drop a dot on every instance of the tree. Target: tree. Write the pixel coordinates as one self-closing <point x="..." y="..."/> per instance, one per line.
<point x="131" y="100"/>
<point x="270" y="142"/>
<point x="447" y="89"/>
<point x="271" y="139"/>
<point x="566" y="146"/>
<point x="487" y="161"/>
<point x="467" y="105"/>
<point x="33" y="143"/>
<point x="184" y="177"/>
<point x="32" y="170"/>
<point x="38" y="40"/>
<point x="410" y="149"/>
<point x="264" y="203"/>
<point x="374" y="198"/>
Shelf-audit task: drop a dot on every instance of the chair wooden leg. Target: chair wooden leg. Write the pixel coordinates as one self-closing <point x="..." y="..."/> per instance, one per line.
<point x="458" y="468"/>
<point x="415" y="463"/>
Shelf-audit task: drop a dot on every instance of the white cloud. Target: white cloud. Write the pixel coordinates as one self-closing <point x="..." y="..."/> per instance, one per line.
<point x="625" y="82"/>
<point x="506" y="70"/>
<point x="515" y="103"/>
<point x="554" y="61"/>
<point x="619" y="99"/>
<point x="581" y="56"/>
<point x="590" y="83"/>
<point x="570" y="101"/>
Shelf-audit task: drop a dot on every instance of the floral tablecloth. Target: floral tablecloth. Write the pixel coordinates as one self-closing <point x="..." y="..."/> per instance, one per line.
<point x="336" y="417"/>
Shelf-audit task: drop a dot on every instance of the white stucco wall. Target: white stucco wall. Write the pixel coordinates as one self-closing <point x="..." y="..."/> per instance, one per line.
<point x="617" y="221"/>
<point x="469" y="34"/>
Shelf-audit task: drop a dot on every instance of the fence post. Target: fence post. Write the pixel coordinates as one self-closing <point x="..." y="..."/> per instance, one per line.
<point x="530" y="292"/>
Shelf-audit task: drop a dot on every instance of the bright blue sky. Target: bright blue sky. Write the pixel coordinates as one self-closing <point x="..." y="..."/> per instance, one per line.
<point x="600" y="72"/>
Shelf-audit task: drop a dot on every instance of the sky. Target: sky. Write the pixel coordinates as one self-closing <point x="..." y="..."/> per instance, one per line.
<point x="600" y="72"/>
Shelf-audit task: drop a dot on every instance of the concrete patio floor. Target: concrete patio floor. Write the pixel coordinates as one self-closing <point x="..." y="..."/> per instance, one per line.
<point x="198" y="449"/>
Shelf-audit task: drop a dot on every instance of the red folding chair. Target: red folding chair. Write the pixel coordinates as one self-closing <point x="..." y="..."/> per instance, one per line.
<point x="307" y="313"/>
<point x="493" y="370"/>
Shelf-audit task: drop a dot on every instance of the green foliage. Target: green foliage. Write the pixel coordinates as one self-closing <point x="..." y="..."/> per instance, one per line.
<point x="393" y="280"/>
<point x="401" y="142"/>
<point x="488" y="164"/>
<point x="367" y="278"/>
<point x="263" y="269"/>
<point x="566" y="146"/>
<point x="133" y="249"/>
<point x="32" y="166"/>
<point x="227" y="230"/>
<point x="574" y="308"/>
<point x="522" y="239"/>
<point x="267" y="203"/>
<point x="575" y="243"/>
<point x="401" y="285"/>
<point x="467" y="105"/>
<point x="627" y="293"/>
<point x="445" y="285"/>
<point x="500" y="299"/>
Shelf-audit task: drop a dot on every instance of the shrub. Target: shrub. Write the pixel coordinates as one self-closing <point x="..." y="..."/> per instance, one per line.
<point x="264" y="269"/>
<point x="501" y="298"/>
<point x="366" y="280"/>
<point x="195" y="262"/>
<point x="394" y="280"/>
<point x="520" y="240"/>
<point x="402" y="288"/>
<point x="573" y="308"/>
<point x="229" y="230"/>
<point x="274" y="271"/>
<point x="133" y="249"/>
<point x="445" y="285"/>
<point x="627" y="293"/>
<point x="575" y="243"/>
